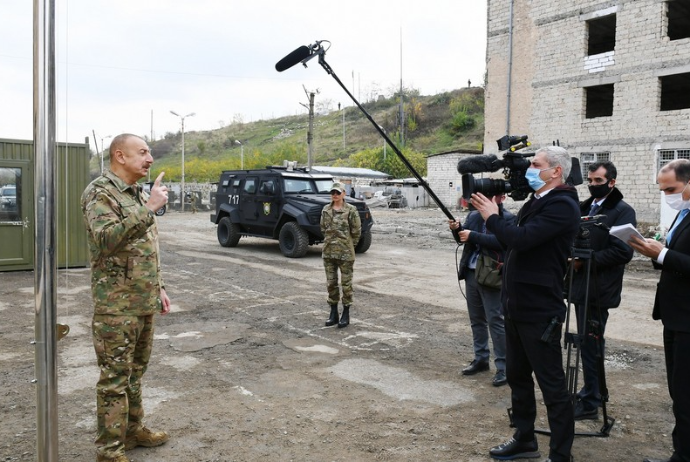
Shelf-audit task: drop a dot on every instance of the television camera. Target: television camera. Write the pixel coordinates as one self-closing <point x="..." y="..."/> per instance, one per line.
<point x="514" y="165"/>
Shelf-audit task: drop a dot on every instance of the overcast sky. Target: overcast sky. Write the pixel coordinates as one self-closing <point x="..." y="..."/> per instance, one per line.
<point x="119" y="62"/>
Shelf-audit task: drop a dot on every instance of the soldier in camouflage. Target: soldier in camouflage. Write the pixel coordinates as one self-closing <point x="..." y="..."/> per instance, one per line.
<point x="341" y="229"/>
<point x="127" y="290"/>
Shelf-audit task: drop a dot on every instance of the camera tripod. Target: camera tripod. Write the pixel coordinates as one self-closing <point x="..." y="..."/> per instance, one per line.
<point x="587" y="327"/>
<point x="582" y="252"/>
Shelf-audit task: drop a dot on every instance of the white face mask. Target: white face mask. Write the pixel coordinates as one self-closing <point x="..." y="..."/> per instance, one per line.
<point x="676" y="201"/>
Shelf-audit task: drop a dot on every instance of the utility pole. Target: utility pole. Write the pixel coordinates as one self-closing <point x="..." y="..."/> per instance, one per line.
<point x="402" y="108"/>
<point x="310" y="131"/>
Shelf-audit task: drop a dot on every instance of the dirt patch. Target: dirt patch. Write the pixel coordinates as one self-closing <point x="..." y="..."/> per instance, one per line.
<point x="243" y="368"/>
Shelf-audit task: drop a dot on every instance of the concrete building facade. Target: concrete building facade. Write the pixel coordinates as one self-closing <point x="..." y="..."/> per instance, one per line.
<point x="443" y="177"/>
<point x="606" y="79"/>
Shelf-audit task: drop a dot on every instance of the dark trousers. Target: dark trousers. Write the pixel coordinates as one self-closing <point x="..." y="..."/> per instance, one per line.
<point x="677" y="351"/>
<point x="591" y="352"/>
<point x="525" y="354"/>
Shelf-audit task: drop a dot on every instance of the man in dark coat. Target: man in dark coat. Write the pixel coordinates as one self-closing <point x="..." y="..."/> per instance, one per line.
<point x="671" y="302"/>
<point x="539" y="245"/>
<point x="483" y="302"/>
<point x="608" y="259"/>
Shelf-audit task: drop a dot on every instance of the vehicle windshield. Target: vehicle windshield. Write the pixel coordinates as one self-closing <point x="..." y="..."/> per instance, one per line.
<point x="8" y="191"/>
<point x="324" y="186"/>
<point x="298" y="185"/>
<point x="307" y="185"/>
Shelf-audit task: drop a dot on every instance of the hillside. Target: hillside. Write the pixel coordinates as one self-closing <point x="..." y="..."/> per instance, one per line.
<point x="434" y="124"/>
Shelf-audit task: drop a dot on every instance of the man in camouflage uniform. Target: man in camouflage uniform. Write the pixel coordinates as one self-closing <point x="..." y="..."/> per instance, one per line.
<point x="341" y="229"/>
<point x="127" y="290"/>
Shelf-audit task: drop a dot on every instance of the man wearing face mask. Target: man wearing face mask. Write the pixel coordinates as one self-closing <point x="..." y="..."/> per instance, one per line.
<point x="608" y="260"/>
<point x="671" y="301"/>
<point x="538" y="247"/>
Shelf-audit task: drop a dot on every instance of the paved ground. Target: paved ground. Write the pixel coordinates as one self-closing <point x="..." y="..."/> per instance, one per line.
<point x="244" y="370"/>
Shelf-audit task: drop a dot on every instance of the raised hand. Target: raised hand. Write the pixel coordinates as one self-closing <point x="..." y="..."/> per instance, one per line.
<point x="158" y="196"/>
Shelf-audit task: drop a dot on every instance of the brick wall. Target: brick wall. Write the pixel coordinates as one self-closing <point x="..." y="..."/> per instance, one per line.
<point x="551" y="69"/>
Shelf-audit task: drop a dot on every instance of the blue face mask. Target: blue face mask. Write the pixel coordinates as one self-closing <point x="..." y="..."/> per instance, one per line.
<point x="532" y="177"/>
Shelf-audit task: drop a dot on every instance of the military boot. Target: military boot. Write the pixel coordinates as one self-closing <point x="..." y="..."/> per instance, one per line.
<point x="333" y="318"/>
<point x="345" y="318"/>
<point x="142" y="436"/>
<point x="114" y="458"/>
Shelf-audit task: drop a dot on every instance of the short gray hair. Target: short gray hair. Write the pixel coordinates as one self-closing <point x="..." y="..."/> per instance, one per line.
<point x="557" y="156"/>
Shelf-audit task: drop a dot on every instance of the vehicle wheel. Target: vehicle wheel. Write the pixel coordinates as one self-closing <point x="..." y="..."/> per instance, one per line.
<point x="161" y="211"/>
<point x="364" y="243"/>
<point x="228" y="232"/>
<point x="293" y="240"/>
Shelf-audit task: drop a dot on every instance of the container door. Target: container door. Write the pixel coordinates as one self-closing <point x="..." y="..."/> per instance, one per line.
<point x="16" y="215"/>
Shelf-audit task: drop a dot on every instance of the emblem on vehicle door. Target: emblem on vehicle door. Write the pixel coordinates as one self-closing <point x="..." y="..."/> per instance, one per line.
<point x="267" y="208"/>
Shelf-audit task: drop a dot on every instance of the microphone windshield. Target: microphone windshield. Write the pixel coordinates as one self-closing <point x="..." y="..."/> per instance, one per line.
<point x="293" y="58"/>
<point x="478" y="163"/>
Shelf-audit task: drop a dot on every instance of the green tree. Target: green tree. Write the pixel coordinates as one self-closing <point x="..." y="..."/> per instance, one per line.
<point x="373" y="159"/>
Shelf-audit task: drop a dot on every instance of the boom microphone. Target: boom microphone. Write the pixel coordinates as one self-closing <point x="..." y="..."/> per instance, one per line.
<point x="479" y="163"/>
<point x="293" y="58"/>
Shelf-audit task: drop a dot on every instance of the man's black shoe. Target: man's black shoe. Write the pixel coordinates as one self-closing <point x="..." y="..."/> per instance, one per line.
<point x="548" y="459"/>
<point x="475" y="367"/>
<point x="513" y="449"/>
<point x="647" y="459"/>
<point x="499" y="379"/>
<point x="582" y="413"/>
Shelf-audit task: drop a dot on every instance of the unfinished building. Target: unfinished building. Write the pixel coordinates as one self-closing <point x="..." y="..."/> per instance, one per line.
<point x="605" y="79"/>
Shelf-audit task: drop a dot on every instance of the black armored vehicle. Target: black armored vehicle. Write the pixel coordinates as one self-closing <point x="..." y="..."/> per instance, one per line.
<point x="278" y="203"/>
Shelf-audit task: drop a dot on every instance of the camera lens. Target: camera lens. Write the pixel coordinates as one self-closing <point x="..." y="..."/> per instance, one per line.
<point x="486" y="186"/>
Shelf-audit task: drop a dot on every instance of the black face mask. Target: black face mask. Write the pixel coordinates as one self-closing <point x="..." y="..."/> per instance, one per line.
<point x="599" y="190"/>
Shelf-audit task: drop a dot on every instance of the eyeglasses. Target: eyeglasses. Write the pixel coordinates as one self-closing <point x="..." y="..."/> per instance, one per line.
<point x="336" y="193"/>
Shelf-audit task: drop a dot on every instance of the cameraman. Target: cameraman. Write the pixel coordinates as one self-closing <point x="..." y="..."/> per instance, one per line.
<point x="609" y="257"/>
<point x="483" y="302"/>
<point x="538" y="246"/>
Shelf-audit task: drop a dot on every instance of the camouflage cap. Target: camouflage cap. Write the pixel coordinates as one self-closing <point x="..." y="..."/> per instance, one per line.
<point x="338" y="187"/>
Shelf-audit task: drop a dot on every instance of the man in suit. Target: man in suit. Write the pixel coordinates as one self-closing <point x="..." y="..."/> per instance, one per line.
<point x="539" y="245"/>
<point x="483" y="303"/>
<point x="671" y="302"/>
<point x="608" y="259"/>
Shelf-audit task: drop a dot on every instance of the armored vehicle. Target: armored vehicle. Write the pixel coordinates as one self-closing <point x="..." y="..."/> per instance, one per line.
<point x="278" y="203"/>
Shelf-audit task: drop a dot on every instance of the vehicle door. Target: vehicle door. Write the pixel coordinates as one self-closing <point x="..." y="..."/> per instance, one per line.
<point x="248" y="206"/>
<point x="267" y="201"/>
<point x="16" y="215"/>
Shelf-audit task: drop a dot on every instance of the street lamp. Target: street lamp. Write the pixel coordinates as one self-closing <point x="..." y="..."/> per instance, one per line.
<point x="103" y="149"/>
<point x="241" y="154"/>
<point x="384" y="143"/>
<point x="191" y="114"/>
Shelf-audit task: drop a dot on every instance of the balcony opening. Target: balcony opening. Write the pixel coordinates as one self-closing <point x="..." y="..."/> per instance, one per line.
<point x="678" y="14"/>
<point x="675" y="92"/>
<point x="599" y="101"/>
<point x="602" y="34"/>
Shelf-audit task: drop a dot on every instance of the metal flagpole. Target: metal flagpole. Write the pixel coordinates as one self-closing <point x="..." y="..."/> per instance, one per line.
<point x="45" y="254"/>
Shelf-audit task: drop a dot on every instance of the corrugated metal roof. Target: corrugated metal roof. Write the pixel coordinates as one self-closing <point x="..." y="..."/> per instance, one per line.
<point x="351" y="172"/>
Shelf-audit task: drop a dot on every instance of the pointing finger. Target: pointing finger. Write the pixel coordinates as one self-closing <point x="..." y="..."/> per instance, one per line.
<point x="157" y="183"/>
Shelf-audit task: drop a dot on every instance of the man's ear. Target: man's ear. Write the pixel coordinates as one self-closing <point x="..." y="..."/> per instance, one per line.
<point x="119" y="157"/>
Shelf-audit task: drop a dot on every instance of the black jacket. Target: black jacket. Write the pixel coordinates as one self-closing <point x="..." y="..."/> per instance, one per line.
<point x="672" y="302"/>
<point x="538" y="249"/>
<point x="609" y="255"/>
<point x="488" y="242"/>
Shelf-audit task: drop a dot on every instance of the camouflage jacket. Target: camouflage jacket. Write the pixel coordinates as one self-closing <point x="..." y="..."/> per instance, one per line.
<point x="341" y="231"/>
<point x="123" y="246"/>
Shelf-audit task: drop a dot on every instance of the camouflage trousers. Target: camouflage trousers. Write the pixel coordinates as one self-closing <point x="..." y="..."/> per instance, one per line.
<point x="346" y="268"/>
<point x="123" y="348"/>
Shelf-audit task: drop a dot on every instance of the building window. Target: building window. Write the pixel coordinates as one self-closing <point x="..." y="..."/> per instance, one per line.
<point x="667" y="155"/>
<point x="602" y="34"/>
<point x="588" y="158"/>
<point x="678" y="14"/>
<point x="675" y="91"/>
<point x="599" y="101"/>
